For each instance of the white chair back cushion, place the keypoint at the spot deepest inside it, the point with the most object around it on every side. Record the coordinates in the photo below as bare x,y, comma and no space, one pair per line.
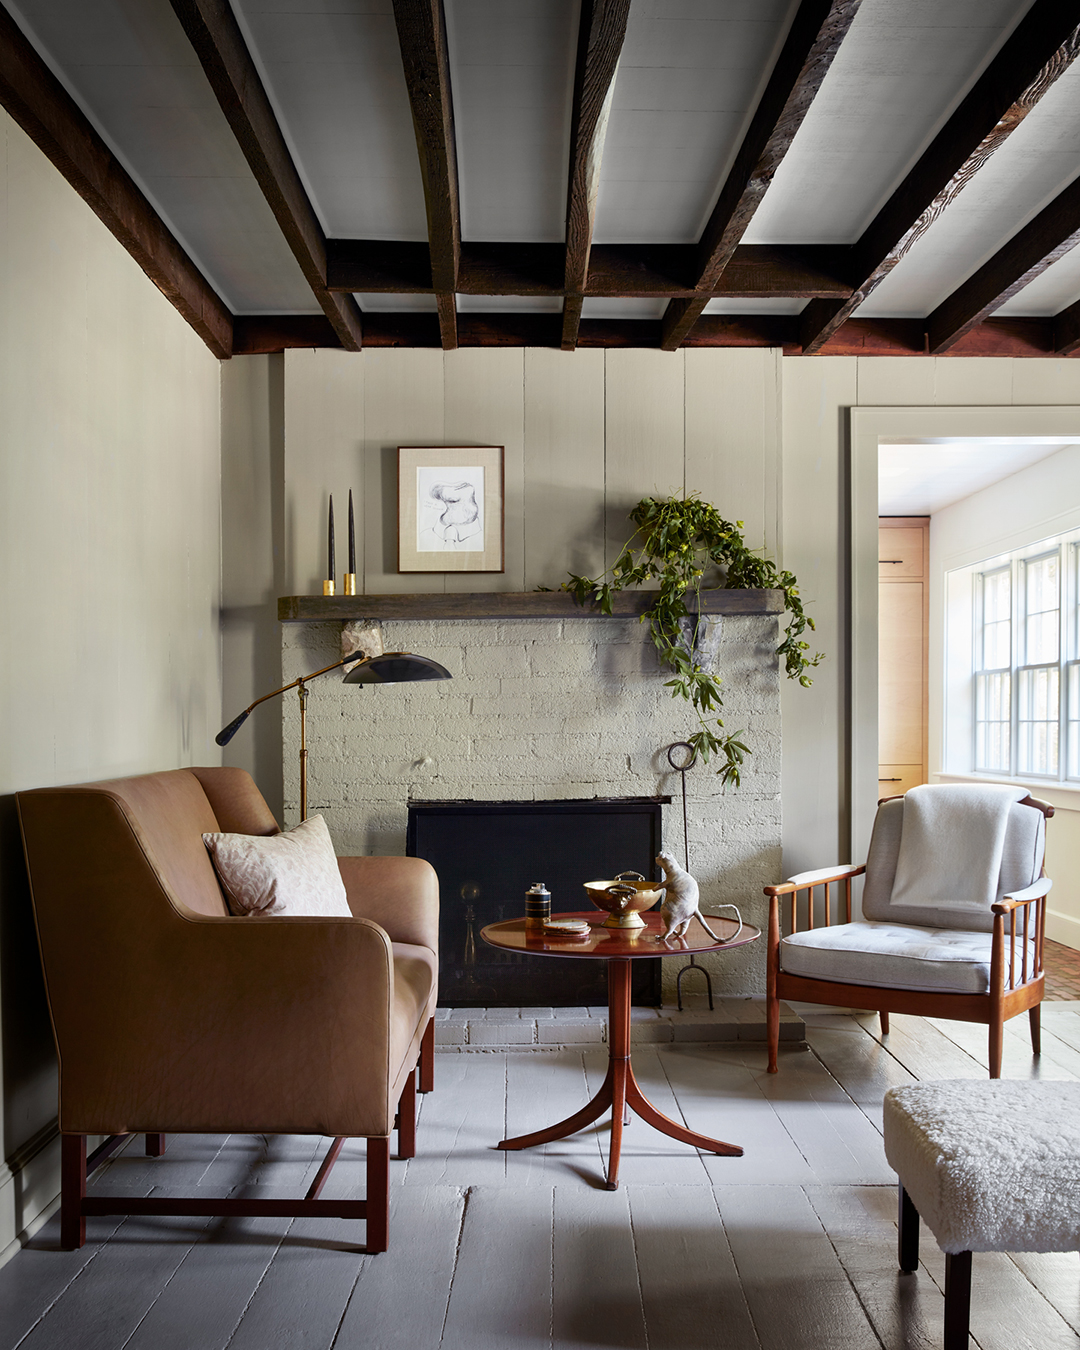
1021,864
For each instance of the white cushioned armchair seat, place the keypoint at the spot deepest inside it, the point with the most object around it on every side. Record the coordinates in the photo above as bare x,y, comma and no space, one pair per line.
895,956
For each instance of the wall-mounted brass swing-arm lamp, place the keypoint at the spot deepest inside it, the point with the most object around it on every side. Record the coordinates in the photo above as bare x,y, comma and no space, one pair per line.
387,668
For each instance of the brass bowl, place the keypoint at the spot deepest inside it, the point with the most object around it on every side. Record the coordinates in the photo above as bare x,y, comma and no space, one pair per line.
624,899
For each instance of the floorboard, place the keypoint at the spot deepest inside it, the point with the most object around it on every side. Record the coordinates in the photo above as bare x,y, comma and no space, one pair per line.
501,1294
797,1290
690,1287
596,1291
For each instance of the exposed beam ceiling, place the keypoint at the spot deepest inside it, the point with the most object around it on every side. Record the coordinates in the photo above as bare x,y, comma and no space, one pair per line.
217,40
815,37
222,147
1040,50
421,27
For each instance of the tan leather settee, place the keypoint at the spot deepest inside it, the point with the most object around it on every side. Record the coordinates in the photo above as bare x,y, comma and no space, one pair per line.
172,1016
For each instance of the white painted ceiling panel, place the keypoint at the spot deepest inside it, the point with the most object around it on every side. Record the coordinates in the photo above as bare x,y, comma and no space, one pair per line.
630,307
132,71
512,75
689,79
723,305
902,69
509,304
333,71
379,302
917,478
1039,159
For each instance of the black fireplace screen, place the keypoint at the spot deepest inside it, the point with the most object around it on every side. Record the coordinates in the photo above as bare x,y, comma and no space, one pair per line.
488,854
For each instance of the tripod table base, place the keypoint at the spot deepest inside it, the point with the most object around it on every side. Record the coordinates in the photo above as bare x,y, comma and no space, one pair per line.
619,1091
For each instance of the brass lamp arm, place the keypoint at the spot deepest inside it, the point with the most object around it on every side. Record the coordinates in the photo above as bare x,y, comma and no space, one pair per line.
227,733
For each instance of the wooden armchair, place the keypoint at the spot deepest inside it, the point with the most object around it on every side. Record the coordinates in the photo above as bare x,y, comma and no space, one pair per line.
934,962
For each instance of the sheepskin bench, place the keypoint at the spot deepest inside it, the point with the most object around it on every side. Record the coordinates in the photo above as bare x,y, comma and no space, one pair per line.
991,1167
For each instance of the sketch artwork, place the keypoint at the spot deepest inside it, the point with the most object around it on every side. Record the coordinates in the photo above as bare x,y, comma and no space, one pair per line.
450,509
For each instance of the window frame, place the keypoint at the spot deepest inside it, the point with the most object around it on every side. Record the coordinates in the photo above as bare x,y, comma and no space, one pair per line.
1020,672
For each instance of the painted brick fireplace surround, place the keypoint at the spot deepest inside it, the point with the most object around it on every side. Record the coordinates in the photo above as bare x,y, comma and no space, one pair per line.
546,709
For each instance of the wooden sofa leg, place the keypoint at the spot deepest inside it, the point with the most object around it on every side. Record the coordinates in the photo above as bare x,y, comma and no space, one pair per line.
883,1017
1035,1024
155,1145
908,1244
406,1119
957,1300
378,1194
427,1058
72,1191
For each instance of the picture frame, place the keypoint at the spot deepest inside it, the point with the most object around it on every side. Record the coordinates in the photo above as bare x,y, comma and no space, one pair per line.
450,508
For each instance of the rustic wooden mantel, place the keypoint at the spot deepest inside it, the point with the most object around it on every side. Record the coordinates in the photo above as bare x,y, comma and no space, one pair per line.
505,605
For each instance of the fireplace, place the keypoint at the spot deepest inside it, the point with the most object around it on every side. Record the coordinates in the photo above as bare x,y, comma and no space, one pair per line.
544,710
487,854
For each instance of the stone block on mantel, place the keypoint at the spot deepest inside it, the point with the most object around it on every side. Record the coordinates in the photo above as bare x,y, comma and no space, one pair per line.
509,605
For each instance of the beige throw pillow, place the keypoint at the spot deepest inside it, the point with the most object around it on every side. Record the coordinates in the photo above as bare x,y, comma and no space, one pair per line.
282,874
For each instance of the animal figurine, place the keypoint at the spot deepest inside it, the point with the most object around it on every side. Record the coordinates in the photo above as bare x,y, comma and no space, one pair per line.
680,902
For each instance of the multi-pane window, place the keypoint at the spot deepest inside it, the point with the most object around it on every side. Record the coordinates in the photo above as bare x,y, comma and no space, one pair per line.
993,677
1027,665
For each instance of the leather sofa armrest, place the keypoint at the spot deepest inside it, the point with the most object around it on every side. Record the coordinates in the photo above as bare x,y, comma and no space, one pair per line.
399,894
277,1024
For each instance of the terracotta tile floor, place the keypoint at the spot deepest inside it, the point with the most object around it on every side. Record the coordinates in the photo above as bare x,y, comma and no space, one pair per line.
1062,966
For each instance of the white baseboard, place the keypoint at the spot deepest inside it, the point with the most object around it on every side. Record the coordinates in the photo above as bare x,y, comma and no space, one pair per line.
1063,928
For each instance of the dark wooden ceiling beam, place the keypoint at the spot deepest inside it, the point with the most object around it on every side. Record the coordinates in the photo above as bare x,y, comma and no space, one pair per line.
756,271
421,28
215,35
1054,232
34,97
1043,45
1066,327
819,28
600,42
857,337
255,334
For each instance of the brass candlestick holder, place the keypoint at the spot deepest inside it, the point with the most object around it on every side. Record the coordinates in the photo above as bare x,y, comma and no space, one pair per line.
348,583
328,588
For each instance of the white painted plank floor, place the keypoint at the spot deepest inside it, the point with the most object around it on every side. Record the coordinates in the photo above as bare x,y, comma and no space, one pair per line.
791,1247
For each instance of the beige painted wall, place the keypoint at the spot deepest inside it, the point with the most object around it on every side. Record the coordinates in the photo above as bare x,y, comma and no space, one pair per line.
109,559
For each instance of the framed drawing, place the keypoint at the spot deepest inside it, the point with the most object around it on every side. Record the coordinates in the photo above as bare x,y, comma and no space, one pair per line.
450,508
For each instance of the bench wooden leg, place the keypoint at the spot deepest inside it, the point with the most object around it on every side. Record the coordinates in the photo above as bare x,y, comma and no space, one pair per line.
427,1058
378,1194
908,1243
72,1191
406,1119
155,1145
1035,1024
957,1300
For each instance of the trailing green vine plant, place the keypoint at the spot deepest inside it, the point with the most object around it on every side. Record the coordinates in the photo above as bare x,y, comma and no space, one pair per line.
678,541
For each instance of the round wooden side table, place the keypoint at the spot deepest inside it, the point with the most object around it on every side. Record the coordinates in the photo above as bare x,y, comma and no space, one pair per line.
618,947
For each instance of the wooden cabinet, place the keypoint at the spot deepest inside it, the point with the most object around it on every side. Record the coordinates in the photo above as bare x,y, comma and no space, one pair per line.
903,630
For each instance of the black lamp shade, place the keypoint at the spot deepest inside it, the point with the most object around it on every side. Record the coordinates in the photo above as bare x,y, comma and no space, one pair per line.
396,668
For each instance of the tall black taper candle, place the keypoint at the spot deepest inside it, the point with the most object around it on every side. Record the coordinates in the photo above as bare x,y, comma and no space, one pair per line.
330,568
352,537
